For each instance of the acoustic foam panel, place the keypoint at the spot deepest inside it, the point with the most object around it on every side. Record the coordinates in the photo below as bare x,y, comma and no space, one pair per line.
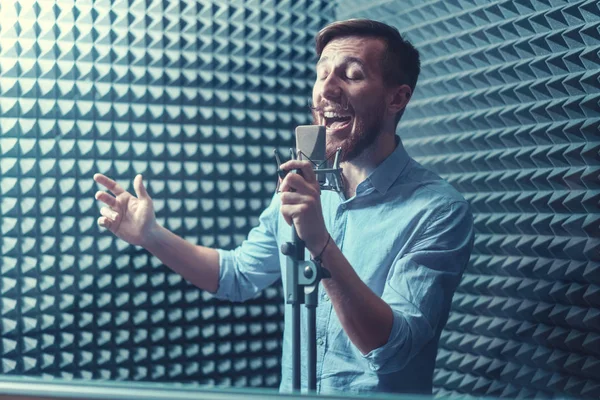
507,110
192,94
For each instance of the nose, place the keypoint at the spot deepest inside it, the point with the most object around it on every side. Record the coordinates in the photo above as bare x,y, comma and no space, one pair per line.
330,88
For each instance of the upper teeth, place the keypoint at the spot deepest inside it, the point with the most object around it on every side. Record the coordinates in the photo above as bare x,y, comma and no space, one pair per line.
331,114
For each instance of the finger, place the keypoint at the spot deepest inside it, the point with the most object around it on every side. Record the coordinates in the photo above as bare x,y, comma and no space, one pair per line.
140,189
104,223
108,213
109,184
296,183
287,214
306,167
288,219
106,199
290,211
288,198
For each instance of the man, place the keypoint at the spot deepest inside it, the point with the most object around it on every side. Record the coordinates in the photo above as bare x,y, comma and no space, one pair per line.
396,248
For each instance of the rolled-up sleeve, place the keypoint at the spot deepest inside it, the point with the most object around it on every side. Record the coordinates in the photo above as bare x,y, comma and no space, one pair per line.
420,286
254,265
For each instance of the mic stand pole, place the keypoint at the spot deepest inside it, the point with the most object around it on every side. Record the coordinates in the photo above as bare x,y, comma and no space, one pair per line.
304,276
295,253
311,300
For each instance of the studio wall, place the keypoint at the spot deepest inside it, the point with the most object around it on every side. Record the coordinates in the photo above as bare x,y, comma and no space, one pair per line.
194,95
507,110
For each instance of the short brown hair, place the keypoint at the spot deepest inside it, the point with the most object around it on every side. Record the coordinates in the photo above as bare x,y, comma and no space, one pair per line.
400,63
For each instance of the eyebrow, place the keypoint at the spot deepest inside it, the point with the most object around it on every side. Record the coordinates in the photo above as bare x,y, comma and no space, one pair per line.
346,60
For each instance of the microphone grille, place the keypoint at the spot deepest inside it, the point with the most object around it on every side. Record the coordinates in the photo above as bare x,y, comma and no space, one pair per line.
310,140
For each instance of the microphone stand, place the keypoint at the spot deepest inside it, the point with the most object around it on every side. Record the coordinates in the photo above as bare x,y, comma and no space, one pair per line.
303,275
306,275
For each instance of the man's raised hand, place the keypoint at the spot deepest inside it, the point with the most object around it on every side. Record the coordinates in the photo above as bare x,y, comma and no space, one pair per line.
128,217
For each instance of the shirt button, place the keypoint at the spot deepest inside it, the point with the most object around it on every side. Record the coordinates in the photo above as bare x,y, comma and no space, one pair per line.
320,341
344,206
325,297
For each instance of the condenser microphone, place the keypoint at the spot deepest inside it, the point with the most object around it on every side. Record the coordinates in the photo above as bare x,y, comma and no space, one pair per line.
310,145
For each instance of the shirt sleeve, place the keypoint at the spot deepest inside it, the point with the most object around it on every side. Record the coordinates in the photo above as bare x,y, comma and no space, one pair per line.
254,265
420,286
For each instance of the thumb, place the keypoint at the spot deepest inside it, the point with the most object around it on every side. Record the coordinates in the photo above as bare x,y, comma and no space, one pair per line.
138,186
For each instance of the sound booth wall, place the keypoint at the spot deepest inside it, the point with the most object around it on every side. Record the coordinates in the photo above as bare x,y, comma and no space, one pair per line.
507,110
194,95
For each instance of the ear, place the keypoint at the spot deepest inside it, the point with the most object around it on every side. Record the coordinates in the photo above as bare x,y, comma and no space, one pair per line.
398,98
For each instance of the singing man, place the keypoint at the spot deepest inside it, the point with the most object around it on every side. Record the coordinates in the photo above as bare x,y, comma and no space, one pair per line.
396,243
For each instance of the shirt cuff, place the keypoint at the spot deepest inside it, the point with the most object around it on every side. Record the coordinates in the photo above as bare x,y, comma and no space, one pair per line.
226,275
381,359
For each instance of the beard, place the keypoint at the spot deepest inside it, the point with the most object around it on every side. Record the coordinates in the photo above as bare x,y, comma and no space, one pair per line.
363,135
359,140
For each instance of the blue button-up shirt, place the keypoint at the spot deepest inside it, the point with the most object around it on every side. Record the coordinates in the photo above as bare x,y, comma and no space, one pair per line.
408,234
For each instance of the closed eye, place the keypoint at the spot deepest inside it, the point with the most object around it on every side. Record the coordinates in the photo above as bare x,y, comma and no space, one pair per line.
353,72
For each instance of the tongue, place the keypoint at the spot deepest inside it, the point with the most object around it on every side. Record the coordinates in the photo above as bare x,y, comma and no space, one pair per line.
338,123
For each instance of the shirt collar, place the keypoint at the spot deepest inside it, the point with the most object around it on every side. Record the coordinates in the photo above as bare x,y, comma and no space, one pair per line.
390,169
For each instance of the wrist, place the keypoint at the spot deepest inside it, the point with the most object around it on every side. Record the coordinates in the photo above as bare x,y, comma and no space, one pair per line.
319,251
153,236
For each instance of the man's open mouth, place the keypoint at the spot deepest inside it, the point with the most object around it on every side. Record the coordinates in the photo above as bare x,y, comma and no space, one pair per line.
335,121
